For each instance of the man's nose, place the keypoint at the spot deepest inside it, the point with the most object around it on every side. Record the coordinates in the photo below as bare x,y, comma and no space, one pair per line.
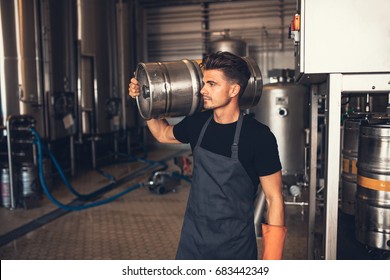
203,90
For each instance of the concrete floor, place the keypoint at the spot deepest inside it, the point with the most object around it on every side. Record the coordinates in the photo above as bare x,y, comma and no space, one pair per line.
140,225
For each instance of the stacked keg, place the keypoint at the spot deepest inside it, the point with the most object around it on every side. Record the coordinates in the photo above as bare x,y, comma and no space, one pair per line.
5,186
349,160
372,218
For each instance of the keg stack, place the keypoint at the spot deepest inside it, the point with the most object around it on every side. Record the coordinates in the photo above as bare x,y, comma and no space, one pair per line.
372,220
19,180
350,146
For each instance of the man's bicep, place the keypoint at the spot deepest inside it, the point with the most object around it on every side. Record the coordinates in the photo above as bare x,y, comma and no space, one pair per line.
272,184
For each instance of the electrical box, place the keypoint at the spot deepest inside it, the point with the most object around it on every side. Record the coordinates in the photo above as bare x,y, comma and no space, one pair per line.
333,36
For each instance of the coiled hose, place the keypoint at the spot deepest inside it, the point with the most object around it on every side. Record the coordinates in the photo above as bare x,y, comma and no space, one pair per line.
41,147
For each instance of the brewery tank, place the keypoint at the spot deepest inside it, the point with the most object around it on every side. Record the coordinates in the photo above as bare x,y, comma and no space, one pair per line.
284,108
228,44
373,186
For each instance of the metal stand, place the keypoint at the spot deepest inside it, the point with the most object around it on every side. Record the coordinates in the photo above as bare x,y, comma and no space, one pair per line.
313,170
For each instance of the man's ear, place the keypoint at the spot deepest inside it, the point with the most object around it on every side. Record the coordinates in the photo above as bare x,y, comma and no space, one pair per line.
235,90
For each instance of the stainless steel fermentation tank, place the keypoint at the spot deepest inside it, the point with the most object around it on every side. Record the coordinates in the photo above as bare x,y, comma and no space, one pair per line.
373,186
228,44
21,62
37,64
171,89
284,108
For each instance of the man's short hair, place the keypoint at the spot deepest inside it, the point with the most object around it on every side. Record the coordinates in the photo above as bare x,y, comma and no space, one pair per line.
234,67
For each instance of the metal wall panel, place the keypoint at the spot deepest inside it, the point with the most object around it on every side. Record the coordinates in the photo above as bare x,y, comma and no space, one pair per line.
185,31
174,33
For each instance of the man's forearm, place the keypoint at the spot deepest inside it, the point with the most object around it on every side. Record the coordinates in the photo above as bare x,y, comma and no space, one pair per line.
276,212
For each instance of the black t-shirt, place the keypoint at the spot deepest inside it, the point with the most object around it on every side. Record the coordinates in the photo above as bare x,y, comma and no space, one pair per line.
257,148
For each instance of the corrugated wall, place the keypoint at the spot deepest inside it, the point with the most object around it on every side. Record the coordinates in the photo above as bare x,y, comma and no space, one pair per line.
176,32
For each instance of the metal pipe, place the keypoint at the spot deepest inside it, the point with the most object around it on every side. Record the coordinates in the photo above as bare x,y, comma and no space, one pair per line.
10,163
116,145
312,170
38,55
332,165
121,52
296,203
93,150
72,157
79,94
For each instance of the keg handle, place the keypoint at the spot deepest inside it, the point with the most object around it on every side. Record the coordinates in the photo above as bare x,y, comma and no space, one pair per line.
145,91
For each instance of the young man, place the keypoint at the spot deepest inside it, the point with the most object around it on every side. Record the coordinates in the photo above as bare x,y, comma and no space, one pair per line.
232,154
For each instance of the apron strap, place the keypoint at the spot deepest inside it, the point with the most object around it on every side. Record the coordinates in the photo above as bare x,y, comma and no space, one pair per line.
200,138
237,137
234,147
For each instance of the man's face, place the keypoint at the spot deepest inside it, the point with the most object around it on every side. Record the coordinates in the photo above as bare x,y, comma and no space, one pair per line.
217,90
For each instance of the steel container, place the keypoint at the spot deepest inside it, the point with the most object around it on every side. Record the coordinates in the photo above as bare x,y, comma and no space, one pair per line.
349,169
172,89
5,187
235,46
169,88
21,88
284,108
27,180
373,186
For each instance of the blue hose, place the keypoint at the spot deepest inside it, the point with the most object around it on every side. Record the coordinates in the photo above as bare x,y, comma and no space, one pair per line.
40,147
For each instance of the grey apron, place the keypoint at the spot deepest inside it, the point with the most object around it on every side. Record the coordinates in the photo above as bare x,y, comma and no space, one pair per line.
219,219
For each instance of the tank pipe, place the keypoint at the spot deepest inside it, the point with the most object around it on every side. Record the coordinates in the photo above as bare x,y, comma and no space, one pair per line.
72,157
10,163
282,23
79,94
295,203
38,55
121,75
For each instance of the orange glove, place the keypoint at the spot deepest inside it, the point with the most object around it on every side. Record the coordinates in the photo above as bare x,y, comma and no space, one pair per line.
273,241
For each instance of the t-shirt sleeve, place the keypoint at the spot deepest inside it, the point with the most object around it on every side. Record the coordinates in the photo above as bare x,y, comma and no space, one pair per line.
267,155
180,131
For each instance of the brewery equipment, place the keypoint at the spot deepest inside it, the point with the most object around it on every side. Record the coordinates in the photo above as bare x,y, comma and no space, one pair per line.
284,108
